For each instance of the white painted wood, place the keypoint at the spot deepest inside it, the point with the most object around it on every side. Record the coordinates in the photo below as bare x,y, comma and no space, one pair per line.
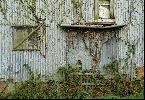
58,52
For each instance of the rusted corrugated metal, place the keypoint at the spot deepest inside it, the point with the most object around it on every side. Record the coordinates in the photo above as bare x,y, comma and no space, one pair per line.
59,52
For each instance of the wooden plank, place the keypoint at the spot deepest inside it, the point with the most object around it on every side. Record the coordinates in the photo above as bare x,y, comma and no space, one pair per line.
3,86
23,26
85,73
140,73
104,2
26,49
88,28
19,36
43,40
97,23
96,10
88,84
112,9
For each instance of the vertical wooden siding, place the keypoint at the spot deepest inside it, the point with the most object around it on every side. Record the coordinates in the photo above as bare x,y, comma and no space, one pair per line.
57,53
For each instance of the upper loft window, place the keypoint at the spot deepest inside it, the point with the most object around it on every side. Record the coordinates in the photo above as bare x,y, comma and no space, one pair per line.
104,6
104,10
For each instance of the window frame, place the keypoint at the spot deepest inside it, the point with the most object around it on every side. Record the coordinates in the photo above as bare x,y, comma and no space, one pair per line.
96,12
24,27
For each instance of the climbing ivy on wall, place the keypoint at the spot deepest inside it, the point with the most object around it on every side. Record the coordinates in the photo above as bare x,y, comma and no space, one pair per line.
3,7
130,59
92,42
30,6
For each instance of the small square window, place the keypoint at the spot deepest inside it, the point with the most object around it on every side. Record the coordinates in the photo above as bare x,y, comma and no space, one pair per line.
104,9
22,40
104,12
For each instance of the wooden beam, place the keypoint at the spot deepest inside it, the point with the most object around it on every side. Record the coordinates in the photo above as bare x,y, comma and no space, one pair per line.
88,28
27,37
97,23
88,74
23,26
25,50
88,84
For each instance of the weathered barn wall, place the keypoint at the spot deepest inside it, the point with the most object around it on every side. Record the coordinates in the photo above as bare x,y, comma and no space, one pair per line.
131,13
58,52
127,12
12,61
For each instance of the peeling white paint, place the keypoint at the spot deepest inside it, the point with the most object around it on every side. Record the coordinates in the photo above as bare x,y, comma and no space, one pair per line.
56,45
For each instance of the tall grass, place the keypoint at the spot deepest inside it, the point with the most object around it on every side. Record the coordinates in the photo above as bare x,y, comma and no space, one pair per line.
69,86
